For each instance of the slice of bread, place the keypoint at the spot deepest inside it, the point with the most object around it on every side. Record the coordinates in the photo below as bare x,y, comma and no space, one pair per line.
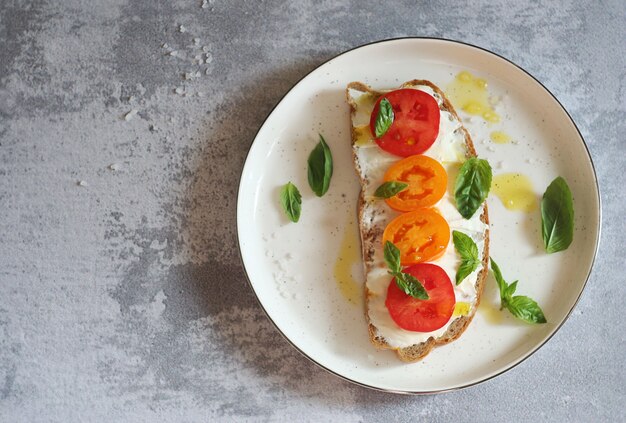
374,214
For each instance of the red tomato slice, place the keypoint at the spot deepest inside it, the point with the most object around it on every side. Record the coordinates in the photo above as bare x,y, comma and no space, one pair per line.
416,122
422,315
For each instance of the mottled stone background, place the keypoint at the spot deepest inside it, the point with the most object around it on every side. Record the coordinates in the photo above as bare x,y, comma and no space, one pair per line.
121,293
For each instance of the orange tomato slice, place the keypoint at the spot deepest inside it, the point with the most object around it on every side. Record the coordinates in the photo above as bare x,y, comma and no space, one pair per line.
427,180
420,235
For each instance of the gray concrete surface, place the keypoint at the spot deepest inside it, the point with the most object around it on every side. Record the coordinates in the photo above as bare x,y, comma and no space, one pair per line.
123,299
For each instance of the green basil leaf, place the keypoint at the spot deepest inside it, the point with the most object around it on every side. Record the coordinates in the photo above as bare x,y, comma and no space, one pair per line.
557,216
520,306
468,251
465,245
526,309
389,189
472,186
407,283
291,200
510,290
384,119
502,285
320,168
392,257
411,286
464,270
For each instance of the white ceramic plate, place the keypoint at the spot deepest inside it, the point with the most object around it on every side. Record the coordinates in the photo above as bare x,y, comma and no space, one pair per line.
292,267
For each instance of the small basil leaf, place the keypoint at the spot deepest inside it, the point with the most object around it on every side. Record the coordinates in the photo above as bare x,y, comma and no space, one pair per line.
520,306
400,281
407,283
389,189
291,200
392,257
510,290
526,309
384,119
465,269
472,186
465,245
468,251
502,285
320,168
557,216
411,286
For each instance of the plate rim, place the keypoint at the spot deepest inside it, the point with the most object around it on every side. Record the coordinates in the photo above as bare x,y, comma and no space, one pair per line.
514,364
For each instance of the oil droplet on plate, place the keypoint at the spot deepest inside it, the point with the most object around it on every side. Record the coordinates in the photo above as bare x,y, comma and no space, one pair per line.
490,312
515,191
470,94
500,137
349,256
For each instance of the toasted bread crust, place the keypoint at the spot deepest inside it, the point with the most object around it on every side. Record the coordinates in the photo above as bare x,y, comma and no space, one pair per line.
457,327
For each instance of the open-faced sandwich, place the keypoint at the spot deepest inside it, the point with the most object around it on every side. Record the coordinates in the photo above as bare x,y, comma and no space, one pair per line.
425,249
